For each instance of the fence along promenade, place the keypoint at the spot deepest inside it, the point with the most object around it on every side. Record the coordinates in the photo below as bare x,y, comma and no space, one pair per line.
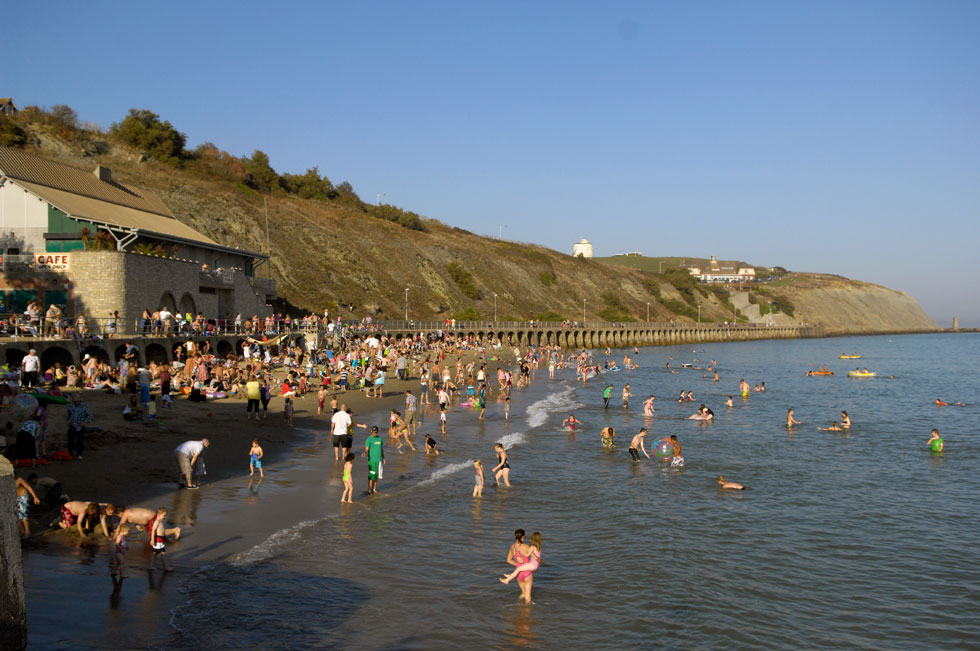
158,344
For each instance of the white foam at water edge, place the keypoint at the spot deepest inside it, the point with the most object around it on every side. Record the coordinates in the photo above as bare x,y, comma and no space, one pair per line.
451,469
510,440
270,545
537,413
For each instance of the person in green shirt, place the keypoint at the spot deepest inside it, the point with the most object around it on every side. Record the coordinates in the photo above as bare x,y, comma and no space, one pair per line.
375,453
606,395
935,442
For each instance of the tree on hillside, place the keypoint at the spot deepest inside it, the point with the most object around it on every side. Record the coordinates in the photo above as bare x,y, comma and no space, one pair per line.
309,185
259,173
144,130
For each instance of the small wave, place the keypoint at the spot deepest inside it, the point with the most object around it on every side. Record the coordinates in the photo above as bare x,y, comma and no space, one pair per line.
451,469
268,548
537,413
510,440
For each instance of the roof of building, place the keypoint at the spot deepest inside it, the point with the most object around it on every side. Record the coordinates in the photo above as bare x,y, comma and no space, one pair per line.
84,196
6,100
717,266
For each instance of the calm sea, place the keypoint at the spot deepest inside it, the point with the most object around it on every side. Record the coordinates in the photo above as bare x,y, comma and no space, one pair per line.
858,539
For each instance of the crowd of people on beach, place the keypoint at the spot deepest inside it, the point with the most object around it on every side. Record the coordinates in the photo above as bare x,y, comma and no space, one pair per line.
452,372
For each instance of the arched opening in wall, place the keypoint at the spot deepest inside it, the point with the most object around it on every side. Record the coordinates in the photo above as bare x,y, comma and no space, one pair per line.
56,355
14,356
238,347
157,353
187,305
301,342
224,349
168,301
99,353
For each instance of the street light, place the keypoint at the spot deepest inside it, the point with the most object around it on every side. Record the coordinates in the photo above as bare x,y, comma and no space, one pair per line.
406,304
495,308
699,314
378,200
661,268
648,312
583,310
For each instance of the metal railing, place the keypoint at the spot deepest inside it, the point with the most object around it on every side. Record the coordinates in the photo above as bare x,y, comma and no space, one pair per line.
71,328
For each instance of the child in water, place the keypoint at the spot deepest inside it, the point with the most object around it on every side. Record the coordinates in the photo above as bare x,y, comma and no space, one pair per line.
348,479
534,559
119,548
729,484
255,459
478,478
729,402
507,408
833,428
430,445
287,411
648,406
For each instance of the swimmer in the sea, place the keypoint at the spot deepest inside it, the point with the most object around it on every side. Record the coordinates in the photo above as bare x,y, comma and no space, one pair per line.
627,394
935,443
676,458
845,420
636,445
571,422
790,421
730,484
833,428
648,406
940,403
608,435
729,402
743,388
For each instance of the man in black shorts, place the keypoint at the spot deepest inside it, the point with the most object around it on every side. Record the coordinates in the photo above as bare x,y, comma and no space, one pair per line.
340,424
636,445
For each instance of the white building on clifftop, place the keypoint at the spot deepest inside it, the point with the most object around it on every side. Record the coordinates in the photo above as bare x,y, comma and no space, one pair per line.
583,248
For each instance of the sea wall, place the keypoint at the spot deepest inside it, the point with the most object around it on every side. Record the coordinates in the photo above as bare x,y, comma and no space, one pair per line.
13,609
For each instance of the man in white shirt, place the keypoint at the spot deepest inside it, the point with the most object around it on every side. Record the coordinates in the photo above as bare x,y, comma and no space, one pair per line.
187,455
165,317
30,365
341,423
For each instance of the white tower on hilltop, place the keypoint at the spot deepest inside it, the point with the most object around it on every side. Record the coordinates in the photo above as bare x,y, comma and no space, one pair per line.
582,248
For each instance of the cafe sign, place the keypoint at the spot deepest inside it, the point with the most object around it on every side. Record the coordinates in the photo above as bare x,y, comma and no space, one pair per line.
52,261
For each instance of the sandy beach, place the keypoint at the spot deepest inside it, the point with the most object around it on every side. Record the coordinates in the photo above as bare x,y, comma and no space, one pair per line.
131,463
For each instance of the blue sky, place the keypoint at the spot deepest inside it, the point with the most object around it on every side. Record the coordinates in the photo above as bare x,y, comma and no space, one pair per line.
841,137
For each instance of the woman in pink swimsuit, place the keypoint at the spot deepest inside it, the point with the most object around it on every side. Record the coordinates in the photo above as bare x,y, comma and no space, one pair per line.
527,558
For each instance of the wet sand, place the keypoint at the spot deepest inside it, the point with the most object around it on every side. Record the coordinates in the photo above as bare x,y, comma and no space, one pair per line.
71,599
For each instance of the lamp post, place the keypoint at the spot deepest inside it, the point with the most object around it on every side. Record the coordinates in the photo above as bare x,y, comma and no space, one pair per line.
660,270
648,312
583,311
699,314
495,308
406,305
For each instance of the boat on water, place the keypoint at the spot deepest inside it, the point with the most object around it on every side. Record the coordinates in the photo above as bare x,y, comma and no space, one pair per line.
850,357
861,374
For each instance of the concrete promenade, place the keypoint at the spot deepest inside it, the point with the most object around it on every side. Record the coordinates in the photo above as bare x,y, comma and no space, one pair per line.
160,348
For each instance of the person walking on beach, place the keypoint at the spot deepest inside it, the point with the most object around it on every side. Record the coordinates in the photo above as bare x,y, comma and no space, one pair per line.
79,415
340,422
606,395
636,445
411,408
502,469
375,453
348,479
188,454
158,539
255,459
253,394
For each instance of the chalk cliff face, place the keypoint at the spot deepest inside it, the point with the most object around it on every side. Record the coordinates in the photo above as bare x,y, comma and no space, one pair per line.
843,306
